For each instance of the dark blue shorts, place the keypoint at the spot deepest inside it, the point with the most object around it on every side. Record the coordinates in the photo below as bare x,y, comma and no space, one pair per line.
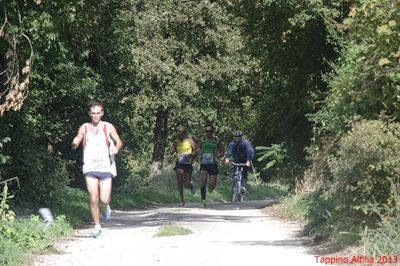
99,175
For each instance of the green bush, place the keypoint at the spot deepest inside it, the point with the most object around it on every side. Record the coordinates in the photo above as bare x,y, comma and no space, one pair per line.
365,168
10,253
33,234
318,175
313,208
364,81
43,176
74,205
133,172
18,237
166,182
354,182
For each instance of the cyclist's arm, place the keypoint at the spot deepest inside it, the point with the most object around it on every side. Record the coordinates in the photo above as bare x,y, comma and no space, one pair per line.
249,153
229,152
78,138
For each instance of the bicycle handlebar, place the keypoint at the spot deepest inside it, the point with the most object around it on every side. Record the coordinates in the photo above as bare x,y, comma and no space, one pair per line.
238,164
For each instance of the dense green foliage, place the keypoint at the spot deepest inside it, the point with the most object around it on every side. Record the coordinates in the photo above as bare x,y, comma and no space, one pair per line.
366,166
351,184
291,46
365,83
311,74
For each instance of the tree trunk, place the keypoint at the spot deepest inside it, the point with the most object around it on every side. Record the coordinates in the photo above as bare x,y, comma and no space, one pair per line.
160,142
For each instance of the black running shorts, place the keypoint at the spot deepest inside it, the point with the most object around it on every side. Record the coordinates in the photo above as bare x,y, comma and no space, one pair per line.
212,169
187,168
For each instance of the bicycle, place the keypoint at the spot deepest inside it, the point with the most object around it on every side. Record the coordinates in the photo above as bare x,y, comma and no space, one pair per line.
237,194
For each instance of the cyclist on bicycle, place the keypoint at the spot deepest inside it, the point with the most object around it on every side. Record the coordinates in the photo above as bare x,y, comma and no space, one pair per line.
240,151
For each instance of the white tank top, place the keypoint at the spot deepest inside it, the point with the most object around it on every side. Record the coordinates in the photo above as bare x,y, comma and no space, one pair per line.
96,152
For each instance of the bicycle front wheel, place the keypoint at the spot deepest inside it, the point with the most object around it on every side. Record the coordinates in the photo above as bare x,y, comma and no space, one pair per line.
235,191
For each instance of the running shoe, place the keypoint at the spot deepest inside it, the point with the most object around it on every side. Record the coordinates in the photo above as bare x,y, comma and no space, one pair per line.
96,232
181,204
202,203
46,215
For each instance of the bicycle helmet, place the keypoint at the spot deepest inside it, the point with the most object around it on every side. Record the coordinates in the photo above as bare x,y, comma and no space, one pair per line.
238,133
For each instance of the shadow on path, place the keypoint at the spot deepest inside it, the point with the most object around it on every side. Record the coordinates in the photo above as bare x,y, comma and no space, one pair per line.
285,243
167,214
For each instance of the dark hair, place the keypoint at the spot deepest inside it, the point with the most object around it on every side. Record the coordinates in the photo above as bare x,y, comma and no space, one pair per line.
95,103
183,129
209,125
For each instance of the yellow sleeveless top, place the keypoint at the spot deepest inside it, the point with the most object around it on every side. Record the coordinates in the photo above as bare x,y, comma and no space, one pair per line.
183,151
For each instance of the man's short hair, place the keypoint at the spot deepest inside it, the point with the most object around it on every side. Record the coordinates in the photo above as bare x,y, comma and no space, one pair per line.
95,103
183,129
209,125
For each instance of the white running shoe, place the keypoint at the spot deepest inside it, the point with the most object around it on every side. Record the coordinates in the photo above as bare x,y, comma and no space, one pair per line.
96,232
46,215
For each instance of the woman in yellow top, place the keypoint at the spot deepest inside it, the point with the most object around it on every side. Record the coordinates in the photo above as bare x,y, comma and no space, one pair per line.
184,147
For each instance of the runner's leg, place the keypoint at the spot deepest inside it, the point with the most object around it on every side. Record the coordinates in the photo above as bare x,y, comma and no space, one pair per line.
213,182
203,183
179,181
213,178
105,190
187,181
92,185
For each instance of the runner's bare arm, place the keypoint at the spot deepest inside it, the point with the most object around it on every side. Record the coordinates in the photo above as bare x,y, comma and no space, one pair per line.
173,148
194,146
199,146
78,138
117,140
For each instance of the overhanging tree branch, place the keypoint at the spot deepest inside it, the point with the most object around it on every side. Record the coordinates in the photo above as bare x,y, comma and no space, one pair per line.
15,88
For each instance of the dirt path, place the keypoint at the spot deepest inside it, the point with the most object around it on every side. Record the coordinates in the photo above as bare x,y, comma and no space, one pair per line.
223,234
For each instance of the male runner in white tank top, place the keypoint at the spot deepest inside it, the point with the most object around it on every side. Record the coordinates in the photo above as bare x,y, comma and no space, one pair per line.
100,143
